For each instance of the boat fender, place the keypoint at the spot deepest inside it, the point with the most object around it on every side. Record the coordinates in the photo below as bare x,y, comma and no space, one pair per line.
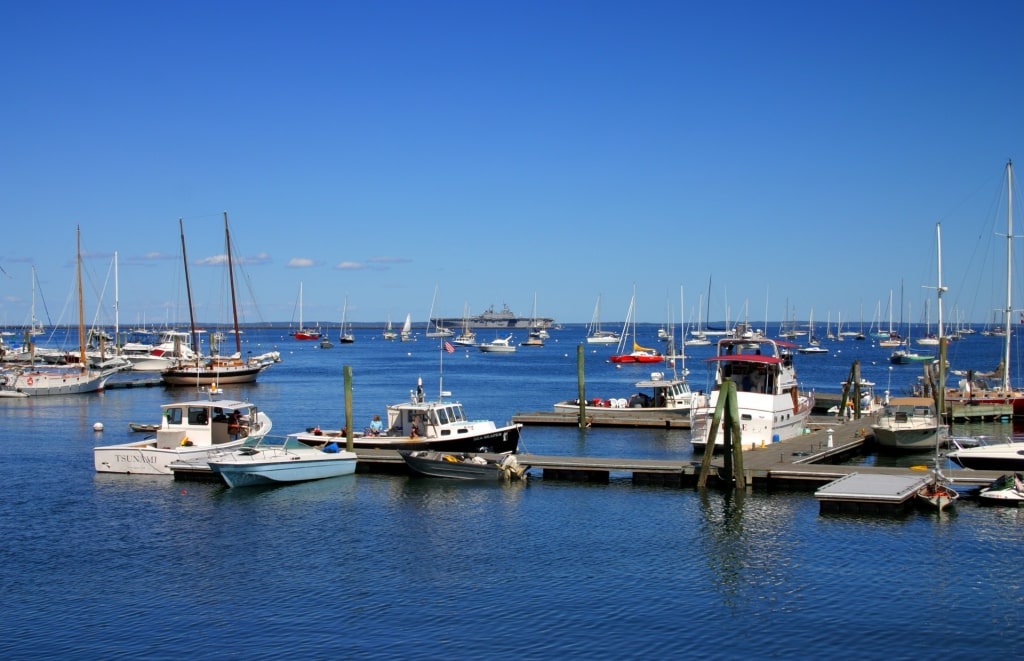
449,458
185,442
29,381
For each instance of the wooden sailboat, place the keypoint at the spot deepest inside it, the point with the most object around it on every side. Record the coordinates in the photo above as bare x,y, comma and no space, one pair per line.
216,369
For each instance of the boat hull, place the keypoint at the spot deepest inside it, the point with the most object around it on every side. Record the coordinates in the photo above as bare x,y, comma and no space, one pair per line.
185,376
475,467
500,440
285,469
145,458
1004,456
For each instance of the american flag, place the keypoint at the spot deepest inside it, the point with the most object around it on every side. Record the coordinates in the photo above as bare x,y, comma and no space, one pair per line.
448,347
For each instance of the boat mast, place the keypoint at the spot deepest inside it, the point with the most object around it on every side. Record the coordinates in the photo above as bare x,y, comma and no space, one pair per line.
81,312
188,291
231,280
1009,264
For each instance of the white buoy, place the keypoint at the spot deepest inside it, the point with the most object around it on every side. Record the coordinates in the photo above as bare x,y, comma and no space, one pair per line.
830,431
97,426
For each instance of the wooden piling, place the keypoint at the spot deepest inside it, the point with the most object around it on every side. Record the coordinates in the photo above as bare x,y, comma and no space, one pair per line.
347,370
580,387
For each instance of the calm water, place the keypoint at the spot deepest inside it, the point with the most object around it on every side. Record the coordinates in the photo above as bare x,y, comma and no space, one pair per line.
112,566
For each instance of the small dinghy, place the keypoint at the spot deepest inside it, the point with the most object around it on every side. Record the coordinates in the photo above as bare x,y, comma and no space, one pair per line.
465,465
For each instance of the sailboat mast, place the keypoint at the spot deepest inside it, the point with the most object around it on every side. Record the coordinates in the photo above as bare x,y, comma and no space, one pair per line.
81,309
117,306
231,280
1009,265
188,291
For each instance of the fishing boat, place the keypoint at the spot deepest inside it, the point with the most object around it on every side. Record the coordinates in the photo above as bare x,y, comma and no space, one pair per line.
304,332
189,430
465,465
276,461
770,404
422,424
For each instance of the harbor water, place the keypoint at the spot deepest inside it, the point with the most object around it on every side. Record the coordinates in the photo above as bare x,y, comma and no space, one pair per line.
375,566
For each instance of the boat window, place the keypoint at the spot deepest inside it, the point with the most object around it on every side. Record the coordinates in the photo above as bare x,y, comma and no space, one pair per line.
442,415
197,415
173,416
901,416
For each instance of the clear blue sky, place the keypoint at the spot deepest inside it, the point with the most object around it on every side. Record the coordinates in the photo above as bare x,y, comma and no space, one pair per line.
788,151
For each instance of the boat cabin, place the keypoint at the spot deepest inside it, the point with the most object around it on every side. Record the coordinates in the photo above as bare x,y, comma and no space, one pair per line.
204,423
430,420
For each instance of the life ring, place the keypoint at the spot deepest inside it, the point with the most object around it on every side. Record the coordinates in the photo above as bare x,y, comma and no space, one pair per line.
29,381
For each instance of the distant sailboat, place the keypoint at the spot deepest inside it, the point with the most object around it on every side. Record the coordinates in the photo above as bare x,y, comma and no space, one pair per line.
406,334
346,336
389,332
303,333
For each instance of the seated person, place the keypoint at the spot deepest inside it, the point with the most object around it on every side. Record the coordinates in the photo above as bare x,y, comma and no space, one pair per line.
376,427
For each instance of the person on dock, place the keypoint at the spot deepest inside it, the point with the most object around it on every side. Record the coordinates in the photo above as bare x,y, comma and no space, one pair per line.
376,426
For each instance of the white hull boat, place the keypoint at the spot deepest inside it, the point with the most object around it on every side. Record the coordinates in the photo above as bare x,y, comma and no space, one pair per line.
189,431
271,461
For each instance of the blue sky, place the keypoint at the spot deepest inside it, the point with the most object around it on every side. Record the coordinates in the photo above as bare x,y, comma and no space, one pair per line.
794,153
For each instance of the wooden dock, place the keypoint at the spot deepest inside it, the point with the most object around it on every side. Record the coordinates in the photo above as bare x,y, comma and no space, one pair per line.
806,463
598,417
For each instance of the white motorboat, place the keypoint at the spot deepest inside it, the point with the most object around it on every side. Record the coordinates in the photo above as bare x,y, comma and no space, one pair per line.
771,407
498,345
275,461
985,455
910,424
667,396
189,430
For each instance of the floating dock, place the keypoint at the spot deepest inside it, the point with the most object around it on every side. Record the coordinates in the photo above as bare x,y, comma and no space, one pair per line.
870,493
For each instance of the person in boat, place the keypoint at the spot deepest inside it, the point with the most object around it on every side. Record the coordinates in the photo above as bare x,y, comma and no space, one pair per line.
235,424
376,426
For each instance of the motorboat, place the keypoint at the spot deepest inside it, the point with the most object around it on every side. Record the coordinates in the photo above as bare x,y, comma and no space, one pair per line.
770,404
658,396
986,455
498,345
465,465
189,430
421,424
1005,490
269,460
910,424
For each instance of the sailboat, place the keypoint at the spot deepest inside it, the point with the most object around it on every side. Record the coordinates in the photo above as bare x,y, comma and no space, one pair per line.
534,339
346,336
813,343
303,333
434,327
638,354
406,334
35,325
69,380
595,335
697,336
389,332
216,369
467,338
